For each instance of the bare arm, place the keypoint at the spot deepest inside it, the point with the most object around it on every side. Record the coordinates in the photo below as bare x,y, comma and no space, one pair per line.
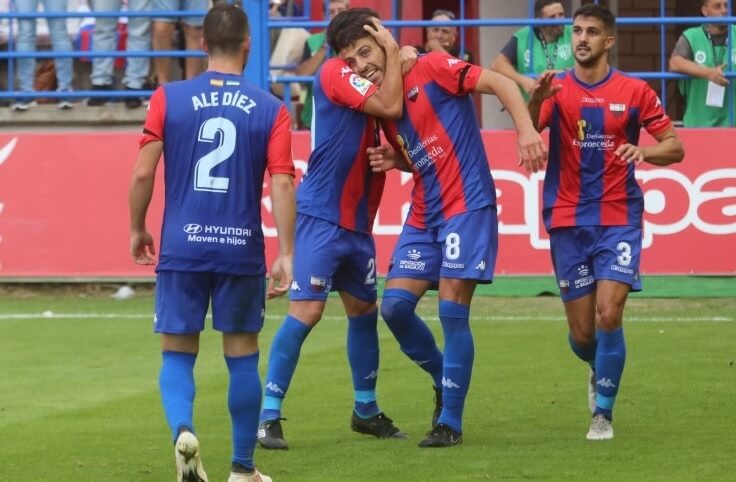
543,89
387,101
685,66
668,150
311,65
284,215
532,151
502,65
139,197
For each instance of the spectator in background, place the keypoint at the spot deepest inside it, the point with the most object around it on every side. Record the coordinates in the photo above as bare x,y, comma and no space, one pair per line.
60,41
550,48
163,37
702,53
315,53
444,39
287,47
103,39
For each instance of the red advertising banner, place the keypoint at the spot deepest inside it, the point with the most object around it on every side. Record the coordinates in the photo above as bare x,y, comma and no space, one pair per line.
64,212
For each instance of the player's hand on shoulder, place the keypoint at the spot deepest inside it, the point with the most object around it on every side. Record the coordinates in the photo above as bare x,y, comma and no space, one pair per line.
630,153
532,149
142,248
408,57
382,158
281,276
544,87
383,36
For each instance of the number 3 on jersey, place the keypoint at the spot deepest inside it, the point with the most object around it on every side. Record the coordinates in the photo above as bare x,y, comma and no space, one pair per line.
203,181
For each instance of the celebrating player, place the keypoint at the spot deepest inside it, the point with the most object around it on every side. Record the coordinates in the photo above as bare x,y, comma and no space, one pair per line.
336,204
218,135
450,237
592,202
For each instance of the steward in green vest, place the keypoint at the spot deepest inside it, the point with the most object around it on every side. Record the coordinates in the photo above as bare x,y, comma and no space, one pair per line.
531,51
702,109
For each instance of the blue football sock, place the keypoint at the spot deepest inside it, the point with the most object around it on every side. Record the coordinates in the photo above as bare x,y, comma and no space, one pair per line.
609,367
176,383
585,353
363,358
414,336
244,401
458,362
285,350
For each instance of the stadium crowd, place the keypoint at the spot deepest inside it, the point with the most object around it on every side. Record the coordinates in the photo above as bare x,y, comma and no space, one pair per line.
702,52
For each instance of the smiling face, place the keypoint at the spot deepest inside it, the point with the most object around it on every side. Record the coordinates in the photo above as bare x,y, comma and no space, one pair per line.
590,40
366,58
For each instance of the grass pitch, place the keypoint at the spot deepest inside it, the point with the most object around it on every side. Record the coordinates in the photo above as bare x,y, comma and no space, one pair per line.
79,398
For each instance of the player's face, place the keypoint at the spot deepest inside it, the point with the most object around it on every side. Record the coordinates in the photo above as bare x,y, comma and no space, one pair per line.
715,8
590,40
366,58
446,36
550,12
337,7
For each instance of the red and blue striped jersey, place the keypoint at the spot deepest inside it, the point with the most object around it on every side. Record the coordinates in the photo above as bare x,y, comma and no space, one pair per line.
585,183
339,185
439,135
220,135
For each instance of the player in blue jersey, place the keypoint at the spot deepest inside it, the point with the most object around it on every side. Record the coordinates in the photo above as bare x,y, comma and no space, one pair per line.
336,205
449,240
218,135
593,205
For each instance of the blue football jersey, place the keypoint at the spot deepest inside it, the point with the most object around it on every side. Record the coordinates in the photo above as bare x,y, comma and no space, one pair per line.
220,135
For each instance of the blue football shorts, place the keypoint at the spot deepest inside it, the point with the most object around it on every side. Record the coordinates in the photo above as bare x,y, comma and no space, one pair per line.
328,257
463,247
182,299
583,255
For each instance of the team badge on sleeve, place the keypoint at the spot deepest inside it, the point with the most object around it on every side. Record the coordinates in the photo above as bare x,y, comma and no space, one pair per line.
360,84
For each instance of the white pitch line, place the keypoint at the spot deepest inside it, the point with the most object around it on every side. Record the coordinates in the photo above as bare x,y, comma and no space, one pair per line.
107,316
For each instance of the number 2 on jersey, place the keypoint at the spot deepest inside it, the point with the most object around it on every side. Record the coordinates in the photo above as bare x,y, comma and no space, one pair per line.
203,181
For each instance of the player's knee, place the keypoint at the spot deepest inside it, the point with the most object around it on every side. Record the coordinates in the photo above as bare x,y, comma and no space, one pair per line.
397,307
608,317
307,312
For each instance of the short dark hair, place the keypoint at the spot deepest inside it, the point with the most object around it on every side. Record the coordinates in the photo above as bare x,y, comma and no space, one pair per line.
347,27
225,28
539,5
597,11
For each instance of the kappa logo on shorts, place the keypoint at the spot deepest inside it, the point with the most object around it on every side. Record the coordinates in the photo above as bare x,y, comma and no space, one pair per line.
481,266
295,286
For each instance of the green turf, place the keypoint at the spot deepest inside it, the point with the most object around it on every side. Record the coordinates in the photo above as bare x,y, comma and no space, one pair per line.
79,399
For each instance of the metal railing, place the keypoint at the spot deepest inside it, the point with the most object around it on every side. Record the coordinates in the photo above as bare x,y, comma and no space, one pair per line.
258,69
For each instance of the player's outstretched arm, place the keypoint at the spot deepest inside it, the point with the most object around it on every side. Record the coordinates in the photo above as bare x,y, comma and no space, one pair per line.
139,197
502,65
284,215
532,150
668,150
